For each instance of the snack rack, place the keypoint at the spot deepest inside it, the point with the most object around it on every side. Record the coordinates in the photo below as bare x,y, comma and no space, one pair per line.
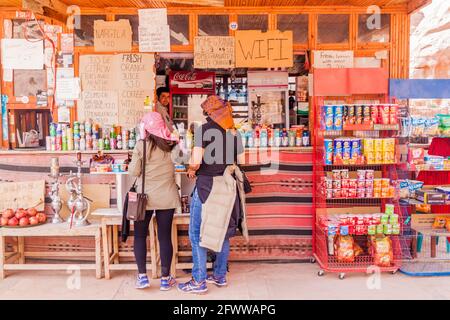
323,240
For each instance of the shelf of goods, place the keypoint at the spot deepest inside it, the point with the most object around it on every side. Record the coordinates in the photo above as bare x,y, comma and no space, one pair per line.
358,224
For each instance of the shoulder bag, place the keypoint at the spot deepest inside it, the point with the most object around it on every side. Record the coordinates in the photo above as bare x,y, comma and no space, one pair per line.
137,202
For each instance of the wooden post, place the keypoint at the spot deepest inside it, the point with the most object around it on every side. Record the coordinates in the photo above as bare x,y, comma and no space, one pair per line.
21,249
105,249
173,266
98,254
116,243
153,245
433,246
2,257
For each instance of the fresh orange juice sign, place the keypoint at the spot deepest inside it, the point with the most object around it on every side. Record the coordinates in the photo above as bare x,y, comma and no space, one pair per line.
271,49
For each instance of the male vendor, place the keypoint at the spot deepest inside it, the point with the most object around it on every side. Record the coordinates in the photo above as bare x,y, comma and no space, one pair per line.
162,106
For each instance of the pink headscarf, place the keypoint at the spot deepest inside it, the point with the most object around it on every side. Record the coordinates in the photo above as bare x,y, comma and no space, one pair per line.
153,123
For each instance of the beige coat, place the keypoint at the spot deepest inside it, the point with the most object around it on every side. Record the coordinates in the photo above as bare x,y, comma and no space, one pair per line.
216,211
160,185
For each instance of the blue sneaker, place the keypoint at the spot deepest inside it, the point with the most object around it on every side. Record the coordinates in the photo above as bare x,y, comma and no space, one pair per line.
219,281
193,287
167,283
142,282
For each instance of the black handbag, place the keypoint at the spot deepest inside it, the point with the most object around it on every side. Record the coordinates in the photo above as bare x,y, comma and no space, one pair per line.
137,202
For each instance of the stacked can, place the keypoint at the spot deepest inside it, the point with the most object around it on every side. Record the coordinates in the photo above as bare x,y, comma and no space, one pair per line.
59,137
338,117
64,138
328,154
76,135
52,136
69,138
328,116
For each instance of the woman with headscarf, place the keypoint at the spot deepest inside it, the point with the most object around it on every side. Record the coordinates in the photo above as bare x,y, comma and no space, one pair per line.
162,192
217,205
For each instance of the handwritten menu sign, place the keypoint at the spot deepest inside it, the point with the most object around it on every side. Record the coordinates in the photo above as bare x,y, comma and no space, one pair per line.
333,59
26,194
96,72
136,79
214,52
148,17
257,49
112,35
100,106
129,76
154,38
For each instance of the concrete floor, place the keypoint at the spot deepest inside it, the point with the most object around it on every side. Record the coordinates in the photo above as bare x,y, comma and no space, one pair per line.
246,281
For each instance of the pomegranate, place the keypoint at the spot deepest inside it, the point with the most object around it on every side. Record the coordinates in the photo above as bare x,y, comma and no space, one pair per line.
4,221
34,221
24,221
32,212
20,214
13,221
8,213
41,217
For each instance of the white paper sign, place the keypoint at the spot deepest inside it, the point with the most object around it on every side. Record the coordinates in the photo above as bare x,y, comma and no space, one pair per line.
67,89
63,114
22,54
154,39
7,75
149,17
333,59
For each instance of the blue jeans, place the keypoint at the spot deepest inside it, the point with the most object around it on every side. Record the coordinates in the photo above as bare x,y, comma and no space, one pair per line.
199,254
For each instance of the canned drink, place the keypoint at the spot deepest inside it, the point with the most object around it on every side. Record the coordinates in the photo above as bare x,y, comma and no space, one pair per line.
338,117
380,229
64,143
389,209
387,229
371,230
361,193
53,143
361,174
396,229
48,143
58,143
384,219
52,129
337,184
344,174
336,174
328,145
329,193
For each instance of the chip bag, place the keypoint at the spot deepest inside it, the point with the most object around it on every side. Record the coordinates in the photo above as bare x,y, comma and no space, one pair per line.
439,222
382,251
344,248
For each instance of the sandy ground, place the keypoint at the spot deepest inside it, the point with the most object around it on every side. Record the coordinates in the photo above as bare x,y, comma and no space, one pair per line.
247,281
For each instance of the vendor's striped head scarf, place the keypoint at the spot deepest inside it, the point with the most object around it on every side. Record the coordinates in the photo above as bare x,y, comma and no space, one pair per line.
219,111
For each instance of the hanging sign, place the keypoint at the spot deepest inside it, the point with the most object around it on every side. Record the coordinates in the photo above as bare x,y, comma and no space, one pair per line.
187,82
214,52
22,54
112,35
257,49
333,59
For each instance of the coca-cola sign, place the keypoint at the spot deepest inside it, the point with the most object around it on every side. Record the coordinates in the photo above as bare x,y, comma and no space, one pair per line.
192,82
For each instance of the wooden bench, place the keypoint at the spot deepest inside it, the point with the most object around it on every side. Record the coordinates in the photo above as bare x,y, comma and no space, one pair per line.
17,260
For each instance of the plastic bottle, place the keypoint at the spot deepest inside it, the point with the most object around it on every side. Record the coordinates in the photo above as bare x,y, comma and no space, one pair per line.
119,142
82,144
305,138
277,135
250,139
263,138
270,141
298,139
256,140
284,138
106,144
292,137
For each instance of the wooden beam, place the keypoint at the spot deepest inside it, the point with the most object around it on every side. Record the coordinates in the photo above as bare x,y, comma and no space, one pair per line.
414,5
212,3
55,5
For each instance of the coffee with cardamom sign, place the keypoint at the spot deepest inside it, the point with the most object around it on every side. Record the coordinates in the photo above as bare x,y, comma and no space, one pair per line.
333,59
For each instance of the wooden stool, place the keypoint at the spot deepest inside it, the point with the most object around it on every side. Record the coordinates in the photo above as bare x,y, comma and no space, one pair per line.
111,254
48,230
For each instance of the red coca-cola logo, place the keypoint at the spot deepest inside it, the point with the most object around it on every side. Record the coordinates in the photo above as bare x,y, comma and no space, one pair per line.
181,76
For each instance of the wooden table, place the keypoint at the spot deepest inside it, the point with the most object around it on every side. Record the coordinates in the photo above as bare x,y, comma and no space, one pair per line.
48,230
433,234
